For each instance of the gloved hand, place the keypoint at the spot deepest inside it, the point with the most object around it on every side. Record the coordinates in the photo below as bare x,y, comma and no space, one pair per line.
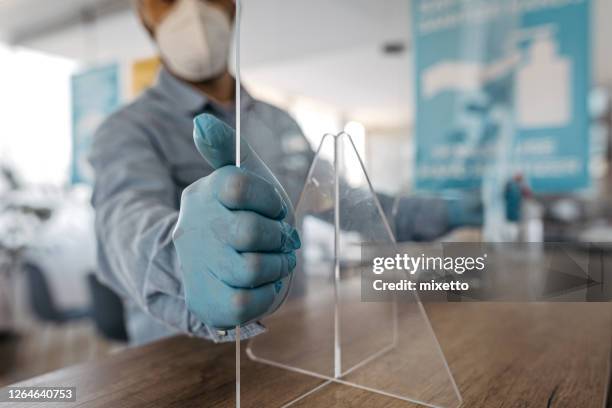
235,249
468,210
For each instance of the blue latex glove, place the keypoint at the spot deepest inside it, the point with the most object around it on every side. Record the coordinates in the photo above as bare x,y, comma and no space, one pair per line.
468,210
235,250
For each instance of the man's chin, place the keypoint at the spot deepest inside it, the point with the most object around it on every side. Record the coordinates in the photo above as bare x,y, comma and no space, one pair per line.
203,82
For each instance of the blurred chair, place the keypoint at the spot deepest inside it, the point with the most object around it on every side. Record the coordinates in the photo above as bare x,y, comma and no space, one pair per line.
107,311
42,301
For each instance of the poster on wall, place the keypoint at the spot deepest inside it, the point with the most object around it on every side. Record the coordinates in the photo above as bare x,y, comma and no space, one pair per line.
95,95
144,73
501,82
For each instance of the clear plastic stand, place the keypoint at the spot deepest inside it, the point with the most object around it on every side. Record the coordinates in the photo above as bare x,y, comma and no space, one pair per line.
324,330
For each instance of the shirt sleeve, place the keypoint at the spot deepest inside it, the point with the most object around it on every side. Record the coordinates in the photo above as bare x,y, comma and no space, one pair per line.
416,218
410,218
136,203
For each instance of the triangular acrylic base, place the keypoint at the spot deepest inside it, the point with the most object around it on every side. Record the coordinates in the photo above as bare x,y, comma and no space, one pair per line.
324,329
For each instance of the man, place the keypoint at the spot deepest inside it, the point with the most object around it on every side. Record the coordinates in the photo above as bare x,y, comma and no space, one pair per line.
234,250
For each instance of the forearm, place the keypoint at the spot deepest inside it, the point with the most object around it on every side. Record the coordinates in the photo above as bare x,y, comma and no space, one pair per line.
416,218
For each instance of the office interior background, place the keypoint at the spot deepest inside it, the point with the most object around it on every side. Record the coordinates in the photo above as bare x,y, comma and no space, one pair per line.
334,65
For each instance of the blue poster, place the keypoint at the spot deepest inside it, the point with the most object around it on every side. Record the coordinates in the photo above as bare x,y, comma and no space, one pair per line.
95,95
502,83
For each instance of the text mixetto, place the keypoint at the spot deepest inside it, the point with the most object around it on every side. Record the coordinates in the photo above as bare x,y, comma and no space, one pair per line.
404,284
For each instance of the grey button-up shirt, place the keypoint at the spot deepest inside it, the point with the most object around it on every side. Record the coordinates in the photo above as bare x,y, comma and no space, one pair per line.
143,157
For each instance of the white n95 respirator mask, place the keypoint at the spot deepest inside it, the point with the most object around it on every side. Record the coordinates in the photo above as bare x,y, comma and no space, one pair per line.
194,40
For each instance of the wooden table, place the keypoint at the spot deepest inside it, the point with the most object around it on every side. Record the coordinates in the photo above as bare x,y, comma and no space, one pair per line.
502,355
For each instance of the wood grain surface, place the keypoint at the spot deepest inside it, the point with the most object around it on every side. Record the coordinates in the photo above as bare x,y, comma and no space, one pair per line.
502,355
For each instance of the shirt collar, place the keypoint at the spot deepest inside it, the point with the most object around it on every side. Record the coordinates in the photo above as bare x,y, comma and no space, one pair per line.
187,98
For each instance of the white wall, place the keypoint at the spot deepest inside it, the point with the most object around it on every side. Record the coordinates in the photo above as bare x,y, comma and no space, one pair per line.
390,158
118,37
35,105
602,44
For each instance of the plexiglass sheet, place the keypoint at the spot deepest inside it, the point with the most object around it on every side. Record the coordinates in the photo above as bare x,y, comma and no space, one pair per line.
324,329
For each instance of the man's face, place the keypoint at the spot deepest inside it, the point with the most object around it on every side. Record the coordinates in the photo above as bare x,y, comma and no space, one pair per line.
153,12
